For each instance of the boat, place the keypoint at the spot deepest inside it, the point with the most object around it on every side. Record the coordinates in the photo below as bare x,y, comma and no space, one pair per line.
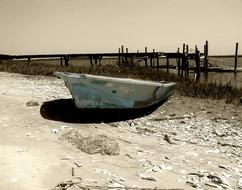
91,91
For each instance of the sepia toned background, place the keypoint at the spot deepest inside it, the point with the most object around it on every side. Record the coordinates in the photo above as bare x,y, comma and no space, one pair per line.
79,26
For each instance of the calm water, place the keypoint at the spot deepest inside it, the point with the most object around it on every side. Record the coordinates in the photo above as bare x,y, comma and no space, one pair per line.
233,79
225,77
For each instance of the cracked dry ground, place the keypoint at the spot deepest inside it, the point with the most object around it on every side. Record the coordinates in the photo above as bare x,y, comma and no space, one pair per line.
186,143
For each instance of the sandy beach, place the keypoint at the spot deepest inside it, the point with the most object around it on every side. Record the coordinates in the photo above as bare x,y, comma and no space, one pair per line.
186,143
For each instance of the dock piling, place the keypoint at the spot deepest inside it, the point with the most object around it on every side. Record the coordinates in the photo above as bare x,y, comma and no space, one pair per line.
197,77
61,61
146,57
157,61
187,61
126,56
66,59
178,62
206,59
167,64
183,60
29,60
119,51
236,57
122,52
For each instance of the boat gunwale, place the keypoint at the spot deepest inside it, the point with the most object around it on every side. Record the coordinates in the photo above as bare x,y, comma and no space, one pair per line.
114,79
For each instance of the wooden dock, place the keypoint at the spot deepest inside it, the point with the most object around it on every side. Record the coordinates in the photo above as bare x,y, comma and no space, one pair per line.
149,58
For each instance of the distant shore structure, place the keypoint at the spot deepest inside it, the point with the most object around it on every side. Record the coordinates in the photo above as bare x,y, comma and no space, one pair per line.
150,59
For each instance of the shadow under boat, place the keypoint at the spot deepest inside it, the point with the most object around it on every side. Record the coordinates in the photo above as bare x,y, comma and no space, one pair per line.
65,110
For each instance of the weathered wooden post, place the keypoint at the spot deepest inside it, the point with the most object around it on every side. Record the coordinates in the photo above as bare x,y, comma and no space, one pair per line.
187,61
119,51
137,57
206,59
236,57
66,59
122,51
95,59
100,59
29,60
167,64
132,59
178,62
151,60
61,61
157,60
153,57
183,59
197,76
145,56
126,56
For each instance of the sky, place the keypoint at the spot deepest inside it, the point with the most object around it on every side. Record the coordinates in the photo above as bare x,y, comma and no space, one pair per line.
88,26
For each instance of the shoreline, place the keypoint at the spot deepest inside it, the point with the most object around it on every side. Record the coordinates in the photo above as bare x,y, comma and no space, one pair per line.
181,144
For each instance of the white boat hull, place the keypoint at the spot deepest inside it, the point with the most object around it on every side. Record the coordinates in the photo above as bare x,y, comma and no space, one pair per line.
90,91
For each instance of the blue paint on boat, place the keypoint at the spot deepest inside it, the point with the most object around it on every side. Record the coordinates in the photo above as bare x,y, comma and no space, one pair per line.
91,91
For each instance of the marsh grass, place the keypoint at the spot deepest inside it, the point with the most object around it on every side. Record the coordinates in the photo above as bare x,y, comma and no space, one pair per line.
214,89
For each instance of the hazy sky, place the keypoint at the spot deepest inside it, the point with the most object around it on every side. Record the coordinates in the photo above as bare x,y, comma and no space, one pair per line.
77,26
